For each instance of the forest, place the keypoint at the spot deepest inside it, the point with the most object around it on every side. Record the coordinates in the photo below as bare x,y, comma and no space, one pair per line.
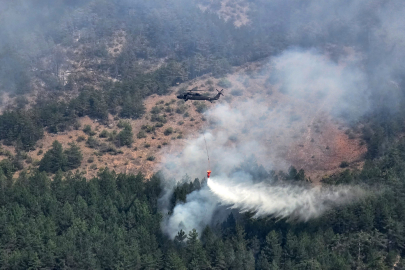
113,222
52,217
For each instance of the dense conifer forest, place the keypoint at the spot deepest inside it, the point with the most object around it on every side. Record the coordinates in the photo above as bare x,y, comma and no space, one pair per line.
113,221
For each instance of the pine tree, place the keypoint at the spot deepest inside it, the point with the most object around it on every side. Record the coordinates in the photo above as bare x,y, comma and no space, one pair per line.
196,256
290,249
3,186
173,262
124,137
54,159
272,250
74,157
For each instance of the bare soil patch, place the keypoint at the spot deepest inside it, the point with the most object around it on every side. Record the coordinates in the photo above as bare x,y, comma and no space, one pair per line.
301,134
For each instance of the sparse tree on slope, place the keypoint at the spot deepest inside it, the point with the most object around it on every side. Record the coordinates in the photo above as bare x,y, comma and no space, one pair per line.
54,159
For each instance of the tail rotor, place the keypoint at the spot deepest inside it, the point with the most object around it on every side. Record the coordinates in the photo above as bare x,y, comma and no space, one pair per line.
220,92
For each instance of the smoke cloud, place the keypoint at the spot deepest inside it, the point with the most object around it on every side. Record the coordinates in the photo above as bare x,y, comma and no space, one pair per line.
348,60
196,213
252,134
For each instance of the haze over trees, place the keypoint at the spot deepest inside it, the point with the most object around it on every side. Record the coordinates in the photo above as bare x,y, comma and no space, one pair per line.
61,53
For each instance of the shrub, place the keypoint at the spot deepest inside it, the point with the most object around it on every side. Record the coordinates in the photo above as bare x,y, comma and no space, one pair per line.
92,142
200,106
141,134
344,164
88,131
124,137
181,109
80,138
112,135
36,162
158,118
151,158
28,160
156,110
90,160
107,148
148,128
76,125
147,145
123,124
104,134
180,123
168,131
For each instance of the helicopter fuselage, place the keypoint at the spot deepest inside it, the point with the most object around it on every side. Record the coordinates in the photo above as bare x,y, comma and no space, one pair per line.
197,96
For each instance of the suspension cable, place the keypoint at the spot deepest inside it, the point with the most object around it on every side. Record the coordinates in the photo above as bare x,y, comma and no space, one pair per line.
208,156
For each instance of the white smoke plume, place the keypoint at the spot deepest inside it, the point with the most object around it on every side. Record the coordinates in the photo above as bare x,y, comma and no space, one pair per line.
303,84
196,213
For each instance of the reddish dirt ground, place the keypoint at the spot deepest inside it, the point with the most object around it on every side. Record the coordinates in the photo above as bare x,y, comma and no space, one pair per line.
316,143
132,159
321,151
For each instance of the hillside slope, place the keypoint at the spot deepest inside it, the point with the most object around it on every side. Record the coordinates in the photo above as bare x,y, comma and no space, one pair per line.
300,133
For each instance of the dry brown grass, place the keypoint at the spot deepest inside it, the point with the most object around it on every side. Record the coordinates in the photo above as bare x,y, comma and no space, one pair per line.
131,160
234,10
117,42
316,142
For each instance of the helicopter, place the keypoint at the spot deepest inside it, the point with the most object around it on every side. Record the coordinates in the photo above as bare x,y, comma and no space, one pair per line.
197,96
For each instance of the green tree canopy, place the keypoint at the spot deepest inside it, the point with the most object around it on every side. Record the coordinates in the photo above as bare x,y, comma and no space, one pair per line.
54,159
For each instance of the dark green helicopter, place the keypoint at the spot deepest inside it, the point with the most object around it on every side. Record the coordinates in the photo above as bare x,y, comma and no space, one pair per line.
189,95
